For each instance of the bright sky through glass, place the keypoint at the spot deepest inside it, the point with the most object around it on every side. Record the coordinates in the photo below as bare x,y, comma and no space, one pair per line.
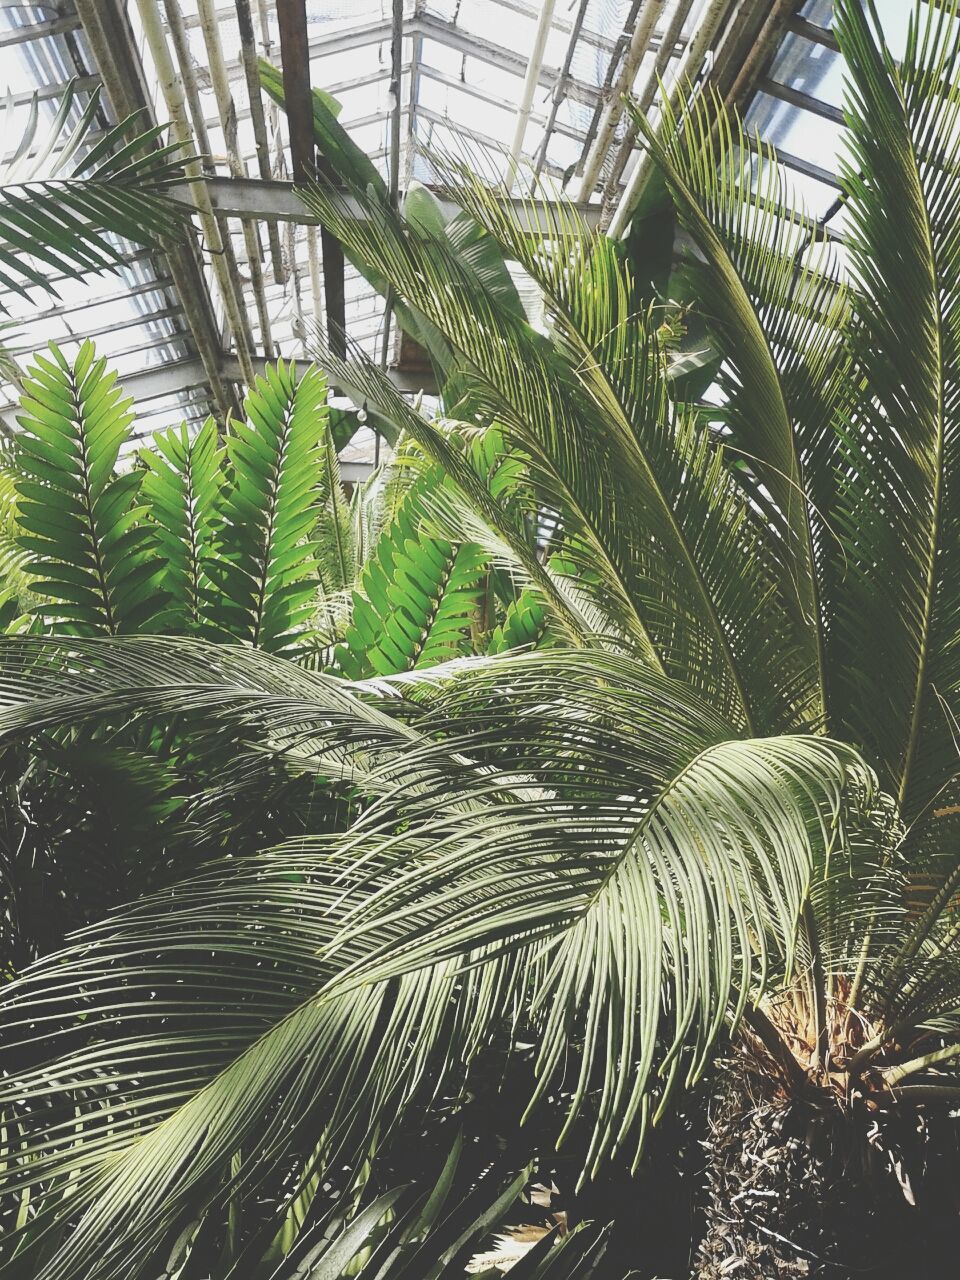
463,69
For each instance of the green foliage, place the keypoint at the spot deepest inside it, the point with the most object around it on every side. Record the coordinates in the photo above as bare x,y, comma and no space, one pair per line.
268,568
477,252
251,540
336,535
92,557
182,492
14,592
57,205
717,802
467,840
524,624
418,595
338,148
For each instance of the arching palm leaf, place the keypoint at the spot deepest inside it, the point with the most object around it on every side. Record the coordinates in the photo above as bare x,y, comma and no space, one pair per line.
648,510
897,506
501,773
62,200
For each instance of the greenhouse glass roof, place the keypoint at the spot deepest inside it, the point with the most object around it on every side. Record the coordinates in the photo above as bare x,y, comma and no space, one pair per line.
539,80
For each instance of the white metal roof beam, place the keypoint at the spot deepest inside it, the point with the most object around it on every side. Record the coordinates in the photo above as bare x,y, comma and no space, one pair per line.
277,201
39,30
188,375
530,83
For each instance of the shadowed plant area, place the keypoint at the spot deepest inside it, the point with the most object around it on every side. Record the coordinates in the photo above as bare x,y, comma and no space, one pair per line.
544,857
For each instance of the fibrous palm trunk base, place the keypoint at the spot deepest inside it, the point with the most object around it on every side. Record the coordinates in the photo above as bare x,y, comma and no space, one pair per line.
802,1189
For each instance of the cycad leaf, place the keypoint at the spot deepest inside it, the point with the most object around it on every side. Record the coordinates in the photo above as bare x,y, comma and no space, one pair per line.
267,571
335,536
660,545
663,896
630,910
897,617
774,316
417,596
181,492
93,559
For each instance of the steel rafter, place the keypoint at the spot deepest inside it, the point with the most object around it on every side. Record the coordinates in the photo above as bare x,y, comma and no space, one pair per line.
111,41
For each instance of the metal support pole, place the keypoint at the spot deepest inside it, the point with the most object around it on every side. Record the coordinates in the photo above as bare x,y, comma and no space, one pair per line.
181,47
530,82
612,112
618,50
761,50
559,92
111,42
248,53
226,109
396,70
690,63
646,94
221,250
295,57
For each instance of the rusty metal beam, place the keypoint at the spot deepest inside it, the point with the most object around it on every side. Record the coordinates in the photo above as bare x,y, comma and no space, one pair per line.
295,57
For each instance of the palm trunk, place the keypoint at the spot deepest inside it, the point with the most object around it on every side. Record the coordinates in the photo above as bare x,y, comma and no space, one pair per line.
816,1189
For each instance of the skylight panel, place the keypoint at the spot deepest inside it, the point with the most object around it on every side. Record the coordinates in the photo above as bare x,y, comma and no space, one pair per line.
810,68
801,133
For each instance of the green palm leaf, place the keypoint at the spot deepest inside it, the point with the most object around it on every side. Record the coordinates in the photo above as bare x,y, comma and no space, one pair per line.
59,209
495,524
337,551
663,542
664,897
898,616
763,282
417,595
636,909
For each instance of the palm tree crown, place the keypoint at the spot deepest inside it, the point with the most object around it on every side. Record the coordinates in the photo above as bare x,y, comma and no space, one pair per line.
716,796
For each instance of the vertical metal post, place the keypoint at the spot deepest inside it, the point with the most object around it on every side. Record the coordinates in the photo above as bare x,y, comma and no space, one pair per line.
530,82
560,91
707,25
645,95
295,56
227,111
396,69
639,42
111,42
248,52
221,249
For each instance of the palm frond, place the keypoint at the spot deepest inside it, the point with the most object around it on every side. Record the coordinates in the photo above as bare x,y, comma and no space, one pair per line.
502,872
505,535
524,625
764,283
280,1068
60,209
662,896
417,595
15,592
899,611
633,513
